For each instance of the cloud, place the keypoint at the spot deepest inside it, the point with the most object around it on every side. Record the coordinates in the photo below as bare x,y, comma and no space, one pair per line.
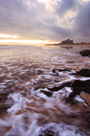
25,18
52,20
82,22
64,6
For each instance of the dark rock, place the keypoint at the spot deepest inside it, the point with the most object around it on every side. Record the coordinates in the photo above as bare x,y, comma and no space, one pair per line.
60,70
38,72
53,88
83,72
48,132
3,97
66,69
85,53
57,88
78,87
49,94
53,70
3,109
81,86
3,105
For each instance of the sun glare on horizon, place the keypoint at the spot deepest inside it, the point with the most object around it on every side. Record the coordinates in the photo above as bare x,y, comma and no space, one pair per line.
8,36
21,42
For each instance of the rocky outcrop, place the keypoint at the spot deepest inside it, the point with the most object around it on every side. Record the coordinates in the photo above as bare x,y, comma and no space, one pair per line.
57,88
83,72
85,53
78,87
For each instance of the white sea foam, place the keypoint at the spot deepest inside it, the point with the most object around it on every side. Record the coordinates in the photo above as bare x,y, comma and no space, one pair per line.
19,103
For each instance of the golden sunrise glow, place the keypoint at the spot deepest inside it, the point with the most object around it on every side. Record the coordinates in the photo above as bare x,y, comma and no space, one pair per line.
22,41
8,36
26,42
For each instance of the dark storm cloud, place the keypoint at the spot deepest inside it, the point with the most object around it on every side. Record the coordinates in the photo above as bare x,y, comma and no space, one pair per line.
82,22
80,30
65,5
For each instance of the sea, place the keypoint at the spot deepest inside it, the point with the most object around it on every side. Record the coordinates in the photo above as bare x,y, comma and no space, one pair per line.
27,106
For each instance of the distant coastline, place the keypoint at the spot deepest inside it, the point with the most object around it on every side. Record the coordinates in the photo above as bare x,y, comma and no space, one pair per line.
69,42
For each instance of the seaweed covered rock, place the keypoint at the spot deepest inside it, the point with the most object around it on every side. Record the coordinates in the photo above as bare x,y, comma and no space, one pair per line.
85,53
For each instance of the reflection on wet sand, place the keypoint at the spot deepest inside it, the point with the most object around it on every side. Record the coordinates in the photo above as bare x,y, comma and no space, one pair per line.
38,92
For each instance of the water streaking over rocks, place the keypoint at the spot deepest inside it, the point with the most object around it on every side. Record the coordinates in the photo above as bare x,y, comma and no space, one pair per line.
44,92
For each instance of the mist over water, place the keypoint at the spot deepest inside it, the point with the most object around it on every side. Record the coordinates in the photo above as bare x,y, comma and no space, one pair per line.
26,73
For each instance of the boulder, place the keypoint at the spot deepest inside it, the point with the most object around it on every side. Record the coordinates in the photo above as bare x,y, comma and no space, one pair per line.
83,72
85,53
78,87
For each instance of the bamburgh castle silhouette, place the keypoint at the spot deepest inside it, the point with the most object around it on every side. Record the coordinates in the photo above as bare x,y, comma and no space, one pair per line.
68,41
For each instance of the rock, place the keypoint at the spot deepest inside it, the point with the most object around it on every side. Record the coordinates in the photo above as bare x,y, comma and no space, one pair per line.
49,94
3,105
3,97
38,72
54,70
78,87
83,72
66,69
57,88
3,108
48,132
86,97
85,53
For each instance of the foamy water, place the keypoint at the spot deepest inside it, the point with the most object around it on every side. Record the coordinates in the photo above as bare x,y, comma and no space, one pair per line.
25,74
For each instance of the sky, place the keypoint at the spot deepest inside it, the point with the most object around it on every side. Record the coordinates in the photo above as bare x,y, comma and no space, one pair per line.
44,21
